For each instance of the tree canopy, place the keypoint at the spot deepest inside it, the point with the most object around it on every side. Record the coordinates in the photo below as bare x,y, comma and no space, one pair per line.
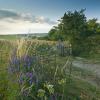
75,28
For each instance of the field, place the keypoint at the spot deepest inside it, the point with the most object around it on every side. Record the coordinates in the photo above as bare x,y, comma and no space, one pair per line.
40,70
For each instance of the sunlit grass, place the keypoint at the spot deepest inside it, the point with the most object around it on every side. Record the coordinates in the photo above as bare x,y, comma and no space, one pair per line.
10,89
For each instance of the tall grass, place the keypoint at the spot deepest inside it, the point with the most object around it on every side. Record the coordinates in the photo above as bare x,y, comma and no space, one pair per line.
37,71
34,64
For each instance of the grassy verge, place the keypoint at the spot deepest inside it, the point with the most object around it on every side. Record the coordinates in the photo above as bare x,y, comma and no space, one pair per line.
79,88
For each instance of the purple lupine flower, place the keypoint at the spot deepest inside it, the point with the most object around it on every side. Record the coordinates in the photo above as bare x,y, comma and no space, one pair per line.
31,78
21,80
29,75
27,61
23,65
14,64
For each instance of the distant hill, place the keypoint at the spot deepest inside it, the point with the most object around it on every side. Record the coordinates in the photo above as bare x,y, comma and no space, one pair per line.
34,34
17,36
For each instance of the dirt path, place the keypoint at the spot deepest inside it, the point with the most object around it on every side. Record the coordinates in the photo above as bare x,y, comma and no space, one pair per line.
89,66
94,67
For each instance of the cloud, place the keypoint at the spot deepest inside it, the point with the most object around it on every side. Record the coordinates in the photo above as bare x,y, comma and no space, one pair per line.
44,20
8,14
23,27
12,22
13,16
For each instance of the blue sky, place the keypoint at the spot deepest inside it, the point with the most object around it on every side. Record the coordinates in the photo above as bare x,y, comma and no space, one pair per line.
40,15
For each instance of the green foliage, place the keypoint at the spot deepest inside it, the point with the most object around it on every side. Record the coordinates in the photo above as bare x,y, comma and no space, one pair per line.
82,33
54,34
53,78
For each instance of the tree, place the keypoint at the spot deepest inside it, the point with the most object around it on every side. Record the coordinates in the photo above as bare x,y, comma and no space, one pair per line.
75,28
93,27
54,34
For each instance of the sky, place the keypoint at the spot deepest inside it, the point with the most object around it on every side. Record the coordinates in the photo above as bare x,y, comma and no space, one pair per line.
39,16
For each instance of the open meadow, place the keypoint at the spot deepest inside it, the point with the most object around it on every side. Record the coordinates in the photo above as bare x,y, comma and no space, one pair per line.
41,70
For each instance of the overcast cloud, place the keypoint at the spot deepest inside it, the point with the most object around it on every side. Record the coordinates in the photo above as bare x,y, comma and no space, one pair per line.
12,22
13,15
